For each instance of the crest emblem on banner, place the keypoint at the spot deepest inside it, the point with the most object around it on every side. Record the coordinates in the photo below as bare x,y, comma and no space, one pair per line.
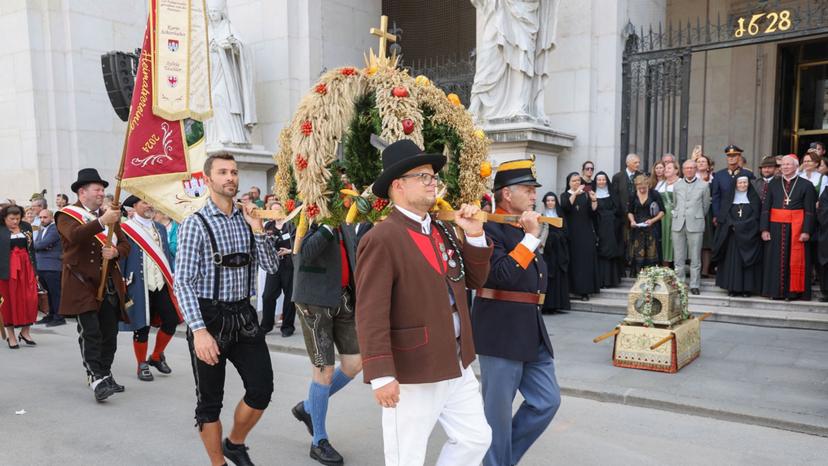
195,186
172,44
173,80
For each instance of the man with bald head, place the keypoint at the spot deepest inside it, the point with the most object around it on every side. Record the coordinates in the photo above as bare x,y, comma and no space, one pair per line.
623,188
48,252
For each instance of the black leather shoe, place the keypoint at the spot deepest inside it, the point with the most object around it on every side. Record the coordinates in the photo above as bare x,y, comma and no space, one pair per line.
584,297
287,332
44,320
56,322
160,364
695,291
302,416
144,373
103,390
118,388
326,454
237,454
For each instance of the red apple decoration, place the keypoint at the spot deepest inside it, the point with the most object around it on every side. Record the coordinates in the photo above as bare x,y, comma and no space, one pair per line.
399,92
408,126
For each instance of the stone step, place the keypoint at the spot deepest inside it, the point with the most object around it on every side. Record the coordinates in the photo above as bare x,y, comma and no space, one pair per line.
783,315
707,298
708,285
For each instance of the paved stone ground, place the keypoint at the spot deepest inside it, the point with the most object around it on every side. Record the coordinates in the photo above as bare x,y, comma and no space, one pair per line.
767,376
151,424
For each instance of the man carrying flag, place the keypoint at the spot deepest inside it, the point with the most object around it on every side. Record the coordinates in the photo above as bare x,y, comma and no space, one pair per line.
149,278
82,228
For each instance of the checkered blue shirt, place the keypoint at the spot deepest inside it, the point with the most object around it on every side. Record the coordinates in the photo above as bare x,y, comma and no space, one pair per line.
194,268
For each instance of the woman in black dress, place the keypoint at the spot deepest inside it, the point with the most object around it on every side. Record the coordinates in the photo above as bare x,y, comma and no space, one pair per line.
608,230
737,246
579,210
556,255
644,214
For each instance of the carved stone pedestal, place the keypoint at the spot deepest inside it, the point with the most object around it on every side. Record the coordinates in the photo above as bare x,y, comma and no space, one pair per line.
517,138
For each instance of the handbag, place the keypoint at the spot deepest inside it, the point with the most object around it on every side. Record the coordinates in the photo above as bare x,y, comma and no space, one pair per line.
42,299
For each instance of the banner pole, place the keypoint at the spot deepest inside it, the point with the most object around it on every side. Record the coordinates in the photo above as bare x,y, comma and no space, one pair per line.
115,201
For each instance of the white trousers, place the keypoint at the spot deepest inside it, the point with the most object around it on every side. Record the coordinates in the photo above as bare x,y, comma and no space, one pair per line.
456,404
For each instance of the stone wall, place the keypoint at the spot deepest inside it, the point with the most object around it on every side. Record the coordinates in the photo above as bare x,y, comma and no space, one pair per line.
584,92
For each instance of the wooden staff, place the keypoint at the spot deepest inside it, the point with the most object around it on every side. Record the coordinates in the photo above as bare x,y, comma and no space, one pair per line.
115,201
483,216
603,337
663,341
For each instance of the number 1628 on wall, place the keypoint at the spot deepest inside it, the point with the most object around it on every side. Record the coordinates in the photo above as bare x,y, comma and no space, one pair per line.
780,21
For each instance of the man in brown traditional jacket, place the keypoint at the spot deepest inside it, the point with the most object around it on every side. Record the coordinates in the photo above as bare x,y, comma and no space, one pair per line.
82,229
412,315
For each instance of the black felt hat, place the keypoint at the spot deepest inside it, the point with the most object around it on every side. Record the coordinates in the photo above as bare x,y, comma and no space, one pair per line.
732,149
399,158
130,201
516,172
87,176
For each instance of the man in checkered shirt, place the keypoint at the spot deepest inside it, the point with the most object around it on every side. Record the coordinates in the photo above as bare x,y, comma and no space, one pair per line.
218,251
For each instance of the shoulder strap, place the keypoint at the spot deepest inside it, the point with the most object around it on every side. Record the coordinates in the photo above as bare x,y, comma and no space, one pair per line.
250,268
216,256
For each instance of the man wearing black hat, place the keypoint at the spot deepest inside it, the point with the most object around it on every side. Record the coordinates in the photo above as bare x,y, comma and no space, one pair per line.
509,333
724,180
413,318
767,170
83,230
148,272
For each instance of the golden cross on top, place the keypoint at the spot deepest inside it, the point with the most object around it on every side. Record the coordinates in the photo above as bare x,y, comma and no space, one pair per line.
384,35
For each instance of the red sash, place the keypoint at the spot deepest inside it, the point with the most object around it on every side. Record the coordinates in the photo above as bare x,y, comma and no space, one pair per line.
797,258
84,217
137,235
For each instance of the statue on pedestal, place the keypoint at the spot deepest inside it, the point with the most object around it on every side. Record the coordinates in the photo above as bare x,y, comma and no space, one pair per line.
516,39
231,75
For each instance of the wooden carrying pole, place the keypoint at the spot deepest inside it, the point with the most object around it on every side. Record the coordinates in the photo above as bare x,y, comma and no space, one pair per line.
116,200
663,341
603,337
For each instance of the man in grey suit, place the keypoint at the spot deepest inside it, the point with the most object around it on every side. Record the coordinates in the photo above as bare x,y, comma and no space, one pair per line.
692,201
49,252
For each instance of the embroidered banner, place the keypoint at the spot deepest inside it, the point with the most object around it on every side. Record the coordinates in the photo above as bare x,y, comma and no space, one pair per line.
172,93
181,77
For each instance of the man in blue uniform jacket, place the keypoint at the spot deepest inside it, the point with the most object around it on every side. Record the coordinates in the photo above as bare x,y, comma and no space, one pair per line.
509,333
724,180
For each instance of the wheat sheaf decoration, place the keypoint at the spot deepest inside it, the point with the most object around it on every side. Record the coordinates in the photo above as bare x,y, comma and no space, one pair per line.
326,163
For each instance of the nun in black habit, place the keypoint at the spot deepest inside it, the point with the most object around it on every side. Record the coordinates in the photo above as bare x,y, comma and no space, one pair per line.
579,210
608,229
556,255
737,245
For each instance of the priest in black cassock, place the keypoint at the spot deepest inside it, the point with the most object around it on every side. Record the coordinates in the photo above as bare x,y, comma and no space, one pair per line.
736,246
786,223
822,244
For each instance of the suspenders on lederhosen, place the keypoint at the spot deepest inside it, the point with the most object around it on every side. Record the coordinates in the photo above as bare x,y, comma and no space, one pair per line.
235,318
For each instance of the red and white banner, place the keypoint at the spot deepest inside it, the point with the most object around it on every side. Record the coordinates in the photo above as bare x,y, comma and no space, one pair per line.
172,84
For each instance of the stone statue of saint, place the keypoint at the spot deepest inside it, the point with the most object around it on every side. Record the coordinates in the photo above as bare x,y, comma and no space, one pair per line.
231,76
516,39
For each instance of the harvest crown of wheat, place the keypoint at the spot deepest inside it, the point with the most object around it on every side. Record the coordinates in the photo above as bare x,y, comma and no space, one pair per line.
326,160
